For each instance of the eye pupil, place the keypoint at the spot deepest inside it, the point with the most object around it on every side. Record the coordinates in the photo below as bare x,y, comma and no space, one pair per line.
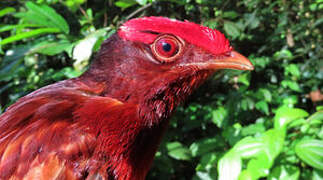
166,47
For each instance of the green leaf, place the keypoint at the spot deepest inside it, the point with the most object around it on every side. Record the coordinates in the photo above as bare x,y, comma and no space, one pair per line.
259,167
291,85
273,141
284,172
317,174
203,146
263,107
248,147
283,54
231,29
230,14
253,129
142,2
293,70
266,94
29,34
229,166
177,151
244,78
316,118
285,115
125,3
52,48
247,104
11,27
207,162
7,10
290,101
47,15
311,152
219,115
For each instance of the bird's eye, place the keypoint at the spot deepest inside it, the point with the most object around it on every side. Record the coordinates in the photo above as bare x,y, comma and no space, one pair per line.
166,48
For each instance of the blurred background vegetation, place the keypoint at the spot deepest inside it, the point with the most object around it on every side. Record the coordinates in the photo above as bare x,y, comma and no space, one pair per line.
239,125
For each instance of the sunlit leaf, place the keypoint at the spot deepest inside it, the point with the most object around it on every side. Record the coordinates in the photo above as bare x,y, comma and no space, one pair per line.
285,115
29,34
7,10
177,151
284,172
52,48
48,13
248,147
125,3
311,152
229,166
219,115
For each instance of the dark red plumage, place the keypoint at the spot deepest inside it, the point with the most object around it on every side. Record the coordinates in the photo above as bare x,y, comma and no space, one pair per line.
108,123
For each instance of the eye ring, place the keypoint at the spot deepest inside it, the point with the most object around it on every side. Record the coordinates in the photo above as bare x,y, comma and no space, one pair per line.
166,48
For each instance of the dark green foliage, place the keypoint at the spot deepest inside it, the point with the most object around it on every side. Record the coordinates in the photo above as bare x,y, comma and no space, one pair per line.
248,125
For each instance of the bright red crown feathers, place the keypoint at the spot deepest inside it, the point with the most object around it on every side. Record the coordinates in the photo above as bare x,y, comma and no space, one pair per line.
147,28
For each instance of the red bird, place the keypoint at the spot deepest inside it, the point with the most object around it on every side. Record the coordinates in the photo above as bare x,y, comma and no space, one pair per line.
108,123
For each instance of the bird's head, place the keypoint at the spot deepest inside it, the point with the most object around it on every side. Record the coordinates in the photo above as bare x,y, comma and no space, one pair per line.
160,60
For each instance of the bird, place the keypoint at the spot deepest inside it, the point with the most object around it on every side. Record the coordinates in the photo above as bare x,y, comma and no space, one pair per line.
108,122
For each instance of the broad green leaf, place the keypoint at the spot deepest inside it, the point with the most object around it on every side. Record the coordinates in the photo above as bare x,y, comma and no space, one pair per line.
29,34
316,118
244,78
284,172
142,2
273,141
253,129
219,115
283,54
125,3
311,152
293,70
7,10
317,174
48,13
177,151
247,104
285,115
266,94
263,107
207,162
259,166
231,29
290,101
52,48
229,166
41,21
248,147
203,146
291,85
245,175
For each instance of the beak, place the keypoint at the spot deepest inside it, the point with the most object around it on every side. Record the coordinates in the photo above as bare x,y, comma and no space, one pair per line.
233,60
